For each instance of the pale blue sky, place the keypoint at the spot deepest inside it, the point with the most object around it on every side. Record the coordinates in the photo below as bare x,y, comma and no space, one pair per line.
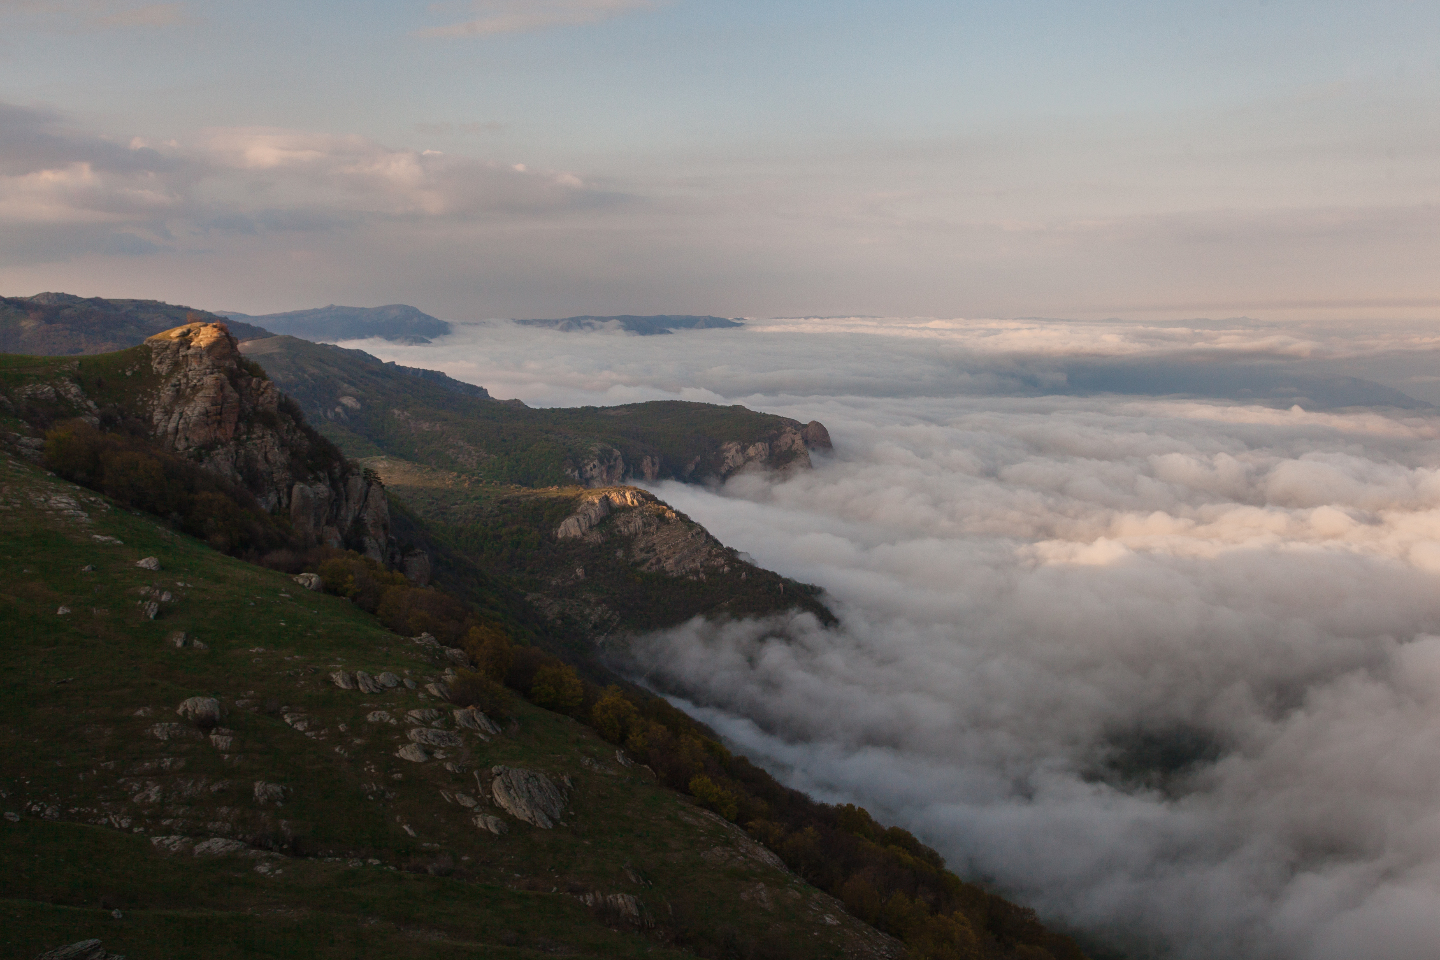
955,159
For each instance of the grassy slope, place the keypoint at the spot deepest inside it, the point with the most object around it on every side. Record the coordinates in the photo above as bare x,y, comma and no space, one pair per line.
488,439
73,752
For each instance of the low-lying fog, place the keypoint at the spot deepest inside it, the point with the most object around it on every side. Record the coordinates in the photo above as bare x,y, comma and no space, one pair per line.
1163,666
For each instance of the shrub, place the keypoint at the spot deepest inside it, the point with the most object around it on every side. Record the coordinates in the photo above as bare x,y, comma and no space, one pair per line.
490,647
614,717
715,797
471,689
557,687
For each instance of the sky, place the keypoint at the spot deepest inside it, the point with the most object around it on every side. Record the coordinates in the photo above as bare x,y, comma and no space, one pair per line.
503,158
1163,664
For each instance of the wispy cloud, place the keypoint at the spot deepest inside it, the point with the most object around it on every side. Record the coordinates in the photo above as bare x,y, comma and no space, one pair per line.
72,16
523,16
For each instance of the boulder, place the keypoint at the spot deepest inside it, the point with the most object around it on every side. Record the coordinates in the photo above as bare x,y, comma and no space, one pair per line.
149,609
343,679
367,683
423,715
488,821
472,719
412,752
388,680
218,846
435,738
439,689
174,731
84,950
527,795
149,563
380,716
310,581
269,792
201,710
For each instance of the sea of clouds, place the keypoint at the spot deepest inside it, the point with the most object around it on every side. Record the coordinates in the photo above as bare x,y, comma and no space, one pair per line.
1163,662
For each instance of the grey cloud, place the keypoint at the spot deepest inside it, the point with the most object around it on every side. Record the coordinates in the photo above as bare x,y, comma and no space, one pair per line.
1166,667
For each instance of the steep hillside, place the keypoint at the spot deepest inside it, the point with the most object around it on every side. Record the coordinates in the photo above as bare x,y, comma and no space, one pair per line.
397,321
595,562
143,423
371,408
59,324
282,815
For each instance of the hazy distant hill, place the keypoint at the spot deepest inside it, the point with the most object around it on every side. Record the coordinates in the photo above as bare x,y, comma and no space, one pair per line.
61,324
397,322
645,326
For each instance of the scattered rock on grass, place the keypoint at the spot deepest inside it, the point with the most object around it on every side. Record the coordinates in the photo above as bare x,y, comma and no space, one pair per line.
218,846
435,738
84,950
423,715
149,609
310,581
472,719
269,792
343,679
200,710
527,795
149,563
367,683
388,680
488,821
380,716
413,752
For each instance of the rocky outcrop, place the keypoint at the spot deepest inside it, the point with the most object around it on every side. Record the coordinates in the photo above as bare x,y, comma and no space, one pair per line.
596,507
528,795
787,447
658,539
214,407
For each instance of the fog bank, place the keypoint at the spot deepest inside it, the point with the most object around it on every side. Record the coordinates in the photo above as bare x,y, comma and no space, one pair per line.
1165,667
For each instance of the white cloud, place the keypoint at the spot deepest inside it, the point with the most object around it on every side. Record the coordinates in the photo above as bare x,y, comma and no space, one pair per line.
524,16
1042,596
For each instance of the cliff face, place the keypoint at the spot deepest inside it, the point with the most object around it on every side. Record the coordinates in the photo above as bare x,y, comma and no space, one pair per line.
787,447
211,406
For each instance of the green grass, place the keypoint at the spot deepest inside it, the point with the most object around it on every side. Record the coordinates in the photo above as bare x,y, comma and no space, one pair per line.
73,753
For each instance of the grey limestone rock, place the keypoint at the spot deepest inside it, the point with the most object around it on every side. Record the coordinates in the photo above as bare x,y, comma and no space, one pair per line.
388,680
527,795
423,715
439,689
149,609
435,738
200,710
83,950
269,792
412,752
343,679
472,719
380,716
174,731
310,581
217,846
367,683
488,821
149,563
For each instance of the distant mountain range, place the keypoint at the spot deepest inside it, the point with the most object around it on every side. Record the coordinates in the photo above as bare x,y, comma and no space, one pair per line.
62,324
397,322
644,326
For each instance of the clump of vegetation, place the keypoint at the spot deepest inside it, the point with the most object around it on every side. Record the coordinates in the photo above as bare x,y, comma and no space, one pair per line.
139,475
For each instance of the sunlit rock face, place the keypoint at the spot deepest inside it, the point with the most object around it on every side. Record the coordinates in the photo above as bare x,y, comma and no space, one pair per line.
219,410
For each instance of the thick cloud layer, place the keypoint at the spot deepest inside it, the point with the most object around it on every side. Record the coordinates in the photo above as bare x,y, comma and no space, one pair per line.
1167,668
